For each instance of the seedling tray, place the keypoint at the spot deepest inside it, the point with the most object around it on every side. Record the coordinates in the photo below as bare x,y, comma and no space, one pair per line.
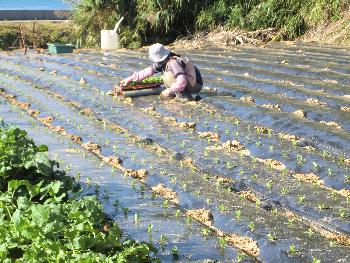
141,86
56,48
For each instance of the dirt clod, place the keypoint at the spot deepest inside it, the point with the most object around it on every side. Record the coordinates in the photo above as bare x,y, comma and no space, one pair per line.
332,124
165,192
345,109
277,165
309,178
202,215
82,81
249,196
315,102
344,192
46,120
233,146
288,137
92,147
337,238
33,113
271,106
245,244
74,138
86,112
22,105
247,99
10,97
223,180
263,130
299,113
209,135
58,129
113,161
188,125
137,174
54,72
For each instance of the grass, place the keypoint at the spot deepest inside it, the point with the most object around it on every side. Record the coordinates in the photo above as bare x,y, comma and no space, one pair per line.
47,31
148,21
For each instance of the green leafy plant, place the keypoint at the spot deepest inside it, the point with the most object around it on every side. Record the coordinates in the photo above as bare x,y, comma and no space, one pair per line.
222,242
238,215
40,213
270,237
163,240
292,249
251,226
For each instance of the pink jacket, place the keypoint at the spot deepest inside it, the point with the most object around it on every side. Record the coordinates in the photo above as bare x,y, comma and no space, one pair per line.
178,86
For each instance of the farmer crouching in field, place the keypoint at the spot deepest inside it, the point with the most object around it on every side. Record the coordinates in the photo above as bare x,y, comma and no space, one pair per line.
181,78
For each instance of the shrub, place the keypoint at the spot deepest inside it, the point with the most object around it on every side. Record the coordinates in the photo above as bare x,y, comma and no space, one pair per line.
41,223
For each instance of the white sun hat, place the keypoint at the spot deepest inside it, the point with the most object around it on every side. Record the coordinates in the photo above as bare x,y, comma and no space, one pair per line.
157,52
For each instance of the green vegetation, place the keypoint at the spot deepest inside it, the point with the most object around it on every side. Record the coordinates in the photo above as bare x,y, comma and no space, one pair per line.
149,80
47,32
40,221
148,21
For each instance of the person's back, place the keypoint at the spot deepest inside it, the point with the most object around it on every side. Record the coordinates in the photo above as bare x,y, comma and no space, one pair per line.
181,78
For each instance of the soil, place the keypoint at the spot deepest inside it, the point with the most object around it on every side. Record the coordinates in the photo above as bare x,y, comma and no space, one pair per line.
87,112
23,105
249,195
209,135
113,161
46,120
92,147
247,99
288,137
75,138
332,124
310,178
345,109
33,113
137,174
82,81
188,125
271,106
299,113
246,244
165,192
272,163
316,102
58,129
202,215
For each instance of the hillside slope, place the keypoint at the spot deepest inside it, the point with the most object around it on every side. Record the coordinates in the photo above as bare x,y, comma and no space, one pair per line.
337,32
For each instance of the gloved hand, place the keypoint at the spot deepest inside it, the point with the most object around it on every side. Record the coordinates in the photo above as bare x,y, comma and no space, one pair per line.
166,93
126,81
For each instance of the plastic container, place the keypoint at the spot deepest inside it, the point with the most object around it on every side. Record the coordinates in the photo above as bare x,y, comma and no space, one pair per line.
56,48
110,38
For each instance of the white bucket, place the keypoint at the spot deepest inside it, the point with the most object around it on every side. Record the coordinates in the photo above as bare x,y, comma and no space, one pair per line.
110,38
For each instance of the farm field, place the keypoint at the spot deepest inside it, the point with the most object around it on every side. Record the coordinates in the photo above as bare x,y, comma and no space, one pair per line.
257,170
